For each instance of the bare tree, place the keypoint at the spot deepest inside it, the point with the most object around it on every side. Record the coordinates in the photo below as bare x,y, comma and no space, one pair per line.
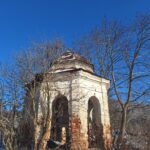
33,65
121,54
10,105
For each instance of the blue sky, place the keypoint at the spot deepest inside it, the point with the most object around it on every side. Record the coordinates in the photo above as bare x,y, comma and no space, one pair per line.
25,21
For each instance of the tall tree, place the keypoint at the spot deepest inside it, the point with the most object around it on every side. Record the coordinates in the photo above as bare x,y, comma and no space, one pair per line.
121,54
33,66
19,85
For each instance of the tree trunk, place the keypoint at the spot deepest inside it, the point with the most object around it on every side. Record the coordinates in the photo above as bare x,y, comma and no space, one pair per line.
9,144
35,138
122,127
46,134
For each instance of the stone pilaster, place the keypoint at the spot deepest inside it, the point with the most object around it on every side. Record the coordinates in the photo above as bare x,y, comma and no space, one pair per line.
107,137
78,139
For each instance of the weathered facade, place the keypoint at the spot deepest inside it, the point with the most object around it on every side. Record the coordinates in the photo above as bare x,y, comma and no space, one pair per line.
78,104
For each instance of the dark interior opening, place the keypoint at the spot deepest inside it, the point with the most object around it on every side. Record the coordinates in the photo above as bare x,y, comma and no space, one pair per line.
94,123
60,120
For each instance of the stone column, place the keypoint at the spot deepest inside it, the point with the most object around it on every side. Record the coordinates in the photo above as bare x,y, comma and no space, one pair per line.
78,139
107,137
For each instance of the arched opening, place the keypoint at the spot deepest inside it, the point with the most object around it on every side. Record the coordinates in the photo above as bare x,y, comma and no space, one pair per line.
60,120
94,123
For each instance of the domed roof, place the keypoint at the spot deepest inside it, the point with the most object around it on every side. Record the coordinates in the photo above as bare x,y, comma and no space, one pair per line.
70,60
68,55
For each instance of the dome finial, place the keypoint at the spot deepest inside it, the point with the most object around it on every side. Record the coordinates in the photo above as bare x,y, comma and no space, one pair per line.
68,52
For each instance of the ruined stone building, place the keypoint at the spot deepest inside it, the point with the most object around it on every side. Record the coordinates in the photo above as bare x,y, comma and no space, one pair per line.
78,104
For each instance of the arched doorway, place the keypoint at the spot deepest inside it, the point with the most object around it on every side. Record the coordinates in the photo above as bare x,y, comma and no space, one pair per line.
60,120
94,123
